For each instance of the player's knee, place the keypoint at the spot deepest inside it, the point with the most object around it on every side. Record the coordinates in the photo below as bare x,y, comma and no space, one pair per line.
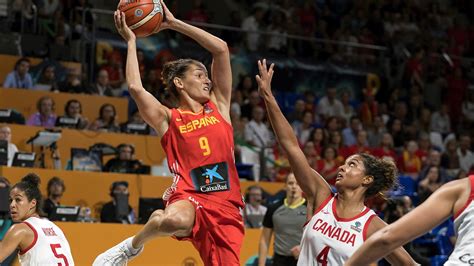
177,223
157,213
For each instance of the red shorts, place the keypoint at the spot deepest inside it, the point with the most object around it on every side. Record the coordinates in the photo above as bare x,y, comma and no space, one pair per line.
218,230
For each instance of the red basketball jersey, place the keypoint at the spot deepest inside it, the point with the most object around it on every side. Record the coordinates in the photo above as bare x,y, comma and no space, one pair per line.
200,152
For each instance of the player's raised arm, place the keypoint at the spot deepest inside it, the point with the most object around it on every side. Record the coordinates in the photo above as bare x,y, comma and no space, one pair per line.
220,70
311,182
152,111
438,207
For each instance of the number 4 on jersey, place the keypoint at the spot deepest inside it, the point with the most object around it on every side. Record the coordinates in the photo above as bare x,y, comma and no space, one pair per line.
322,257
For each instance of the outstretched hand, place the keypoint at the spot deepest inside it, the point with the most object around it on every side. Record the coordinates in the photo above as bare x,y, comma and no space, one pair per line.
168,18
122,28
264,80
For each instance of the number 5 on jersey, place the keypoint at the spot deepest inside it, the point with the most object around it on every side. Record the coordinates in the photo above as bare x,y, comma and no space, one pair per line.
60,256
204,144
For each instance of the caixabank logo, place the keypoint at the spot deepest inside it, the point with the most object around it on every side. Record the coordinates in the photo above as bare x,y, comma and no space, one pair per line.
211,177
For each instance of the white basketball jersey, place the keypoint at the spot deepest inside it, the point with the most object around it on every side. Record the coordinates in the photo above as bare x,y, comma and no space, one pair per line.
331,240
463,253
50,246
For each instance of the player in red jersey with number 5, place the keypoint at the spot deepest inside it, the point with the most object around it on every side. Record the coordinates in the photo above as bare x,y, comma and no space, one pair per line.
40,241
204,201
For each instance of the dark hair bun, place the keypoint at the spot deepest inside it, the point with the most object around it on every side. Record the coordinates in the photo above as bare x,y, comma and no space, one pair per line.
32,179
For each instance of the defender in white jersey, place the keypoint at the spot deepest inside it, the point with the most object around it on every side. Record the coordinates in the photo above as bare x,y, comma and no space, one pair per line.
40,242
337,223
454,198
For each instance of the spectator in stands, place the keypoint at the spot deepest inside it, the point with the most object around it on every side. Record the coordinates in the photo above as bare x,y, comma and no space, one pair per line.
304,128
369,107
21,9
102,86
328,165
256,131
410,163
73,82
309,151
347,109
258,134
376,132
440,121
395,128
153,83
385,148
361,145
336,141
429,183
110,212
415,108
329,105
47,79
107,120
450,159
401,112
47,13
55,190
298,111
434,159
246,85
6,222
19,77
465,154
254,101
198,13
332,124
424,147
115,69
278,42
135,125
45,117
48,8
423,122
319,139
73,109
253,23
457,87
349,134
233,38
124,162
6,134
285,220
468,108
254,210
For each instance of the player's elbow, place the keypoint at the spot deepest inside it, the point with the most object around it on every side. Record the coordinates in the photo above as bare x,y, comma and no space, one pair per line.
222,48
387,238
133,87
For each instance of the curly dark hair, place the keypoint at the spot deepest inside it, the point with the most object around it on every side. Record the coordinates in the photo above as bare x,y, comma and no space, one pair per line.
30,186
384,173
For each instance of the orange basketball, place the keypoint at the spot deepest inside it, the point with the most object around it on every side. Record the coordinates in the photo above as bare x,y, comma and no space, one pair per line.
142,16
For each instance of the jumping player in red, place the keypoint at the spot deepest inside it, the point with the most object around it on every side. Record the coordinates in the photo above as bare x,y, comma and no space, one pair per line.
204,201
337,224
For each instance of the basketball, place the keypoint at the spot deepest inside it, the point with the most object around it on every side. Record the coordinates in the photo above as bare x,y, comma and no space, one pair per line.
144,17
